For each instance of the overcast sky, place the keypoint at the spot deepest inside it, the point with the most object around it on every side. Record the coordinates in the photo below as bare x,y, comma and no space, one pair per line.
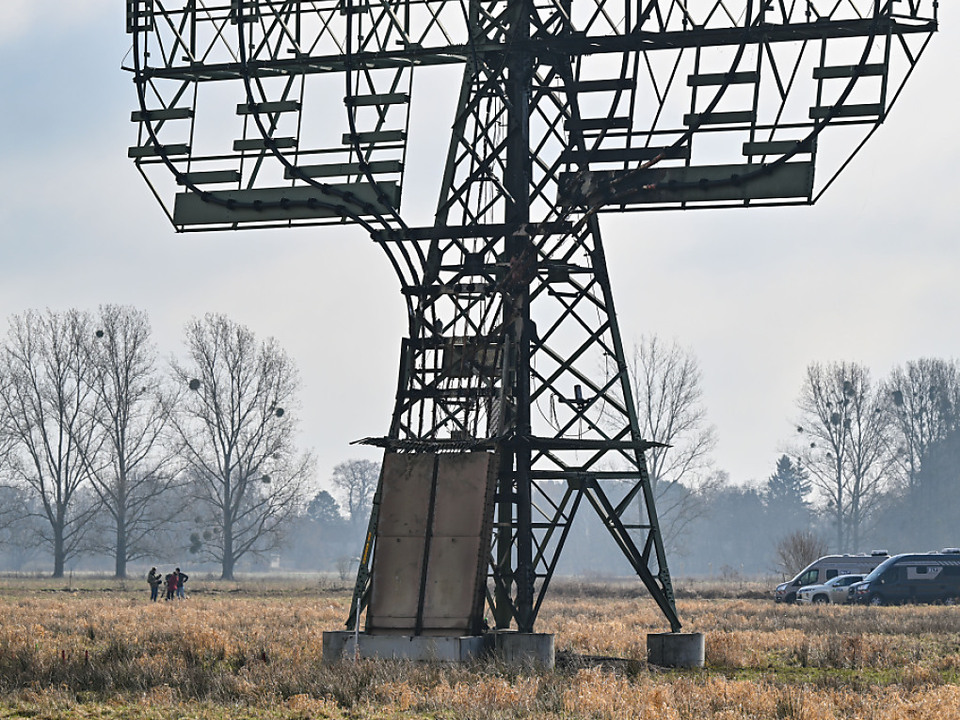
868,275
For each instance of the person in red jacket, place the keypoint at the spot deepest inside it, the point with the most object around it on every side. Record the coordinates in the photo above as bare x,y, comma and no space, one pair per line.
171,582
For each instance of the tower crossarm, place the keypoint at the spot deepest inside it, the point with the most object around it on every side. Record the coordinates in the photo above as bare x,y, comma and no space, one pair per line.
578,44
255,67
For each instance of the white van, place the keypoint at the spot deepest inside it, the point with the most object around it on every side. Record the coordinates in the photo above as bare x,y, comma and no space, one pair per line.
826,568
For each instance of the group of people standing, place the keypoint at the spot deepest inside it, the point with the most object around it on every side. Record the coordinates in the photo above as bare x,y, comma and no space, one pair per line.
173,584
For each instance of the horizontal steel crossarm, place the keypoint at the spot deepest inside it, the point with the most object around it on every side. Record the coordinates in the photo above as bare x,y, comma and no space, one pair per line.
439,343
206,72
568,443
561,47
463,232
438,445
460,393
586,475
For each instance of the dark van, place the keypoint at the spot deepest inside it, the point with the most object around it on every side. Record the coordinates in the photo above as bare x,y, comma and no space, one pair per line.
912,578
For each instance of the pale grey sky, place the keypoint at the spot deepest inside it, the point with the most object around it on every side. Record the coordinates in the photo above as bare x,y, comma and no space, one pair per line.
867,275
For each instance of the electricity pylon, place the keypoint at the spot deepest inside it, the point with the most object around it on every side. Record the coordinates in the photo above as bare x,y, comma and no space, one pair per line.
565,110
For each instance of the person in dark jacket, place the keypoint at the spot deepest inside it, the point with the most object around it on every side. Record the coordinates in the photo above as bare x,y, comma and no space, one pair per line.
181,579
154,579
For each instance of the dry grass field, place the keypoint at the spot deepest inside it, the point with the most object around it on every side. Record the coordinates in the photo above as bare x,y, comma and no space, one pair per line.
96,649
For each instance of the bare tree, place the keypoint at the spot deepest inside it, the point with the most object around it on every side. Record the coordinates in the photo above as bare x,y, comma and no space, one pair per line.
13,501
845,446
131,472
235,428
356,481
48,406
669,403
924,402
666,389
797,550
14,509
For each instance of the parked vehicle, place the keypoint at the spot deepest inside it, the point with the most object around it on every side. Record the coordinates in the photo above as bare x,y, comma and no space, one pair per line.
835,590
912,578
827,568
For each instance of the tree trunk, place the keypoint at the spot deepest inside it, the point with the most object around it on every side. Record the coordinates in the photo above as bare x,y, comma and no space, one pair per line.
228,559
58,553
227,568
839,529
120,559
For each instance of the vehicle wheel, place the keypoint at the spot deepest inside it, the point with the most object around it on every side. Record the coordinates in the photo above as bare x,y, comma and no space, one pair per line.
877,600
820,599
791,598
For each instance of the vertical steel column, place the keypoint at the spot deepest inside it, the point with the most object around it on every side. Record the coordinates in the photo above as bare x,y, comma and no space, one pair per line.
521,256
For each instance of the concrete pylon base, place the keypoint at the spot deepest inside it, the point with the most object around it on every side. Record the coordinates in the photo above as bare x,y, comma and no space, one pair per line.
513,648
343,645
678,650
525,649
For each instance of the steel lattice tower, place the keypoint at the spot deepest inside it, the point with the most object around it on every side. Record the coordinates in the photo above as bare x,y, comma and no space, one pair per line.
565,110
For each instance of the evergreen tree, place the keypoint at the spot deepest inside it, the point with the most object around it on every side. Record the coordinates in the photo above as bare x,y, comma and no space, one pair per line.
785,494
324,509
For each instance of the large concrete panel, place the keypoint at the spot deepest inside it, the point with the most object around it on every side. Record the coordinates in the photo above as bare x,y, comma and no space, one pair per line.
405,499
463,487
395,585
450,593
432,544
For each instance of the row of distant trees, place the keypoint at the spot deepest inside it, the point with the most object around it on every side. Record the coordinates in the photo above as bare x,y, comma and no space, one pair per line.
105,448
884,456
872,463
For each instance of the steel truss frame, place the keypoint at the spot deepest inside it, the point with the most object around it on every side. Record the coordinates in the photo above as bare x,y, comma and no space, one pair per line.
565,110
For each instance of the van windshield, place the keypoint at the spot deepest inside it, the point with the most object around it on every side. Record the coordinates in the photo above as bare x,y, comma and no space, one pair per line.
878,570
803,574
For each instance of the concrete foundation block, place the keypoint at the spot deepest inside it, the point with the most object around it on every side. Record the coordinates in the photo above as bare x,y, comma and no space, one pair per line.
525,649
677,650
333,643
342,645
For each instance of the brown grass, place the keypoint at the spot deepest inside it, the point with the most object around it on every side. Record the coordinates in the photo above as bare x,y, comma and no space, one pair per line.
245,651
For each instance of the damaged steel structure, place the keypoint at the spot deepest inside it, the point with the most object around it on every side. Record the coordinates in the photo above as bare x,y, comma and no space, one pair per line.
565,110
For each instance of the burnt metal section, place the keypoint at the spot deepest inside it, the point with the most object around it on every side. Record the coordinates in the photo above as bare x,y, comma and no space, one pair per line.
688,184
431,544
